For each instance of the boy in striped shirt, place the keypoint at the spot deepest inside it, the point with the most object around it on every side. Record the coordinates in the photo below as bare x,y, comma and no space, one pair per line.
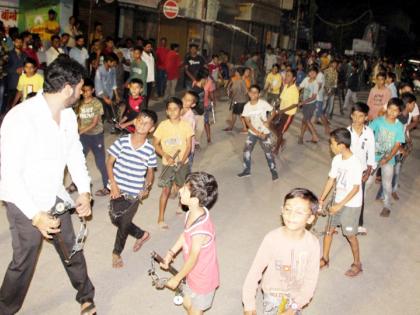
130,167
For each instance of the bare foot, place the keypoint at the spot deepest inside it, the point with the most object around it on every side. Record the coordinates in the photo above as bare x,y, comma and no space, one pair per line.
163,225
140,241
117,261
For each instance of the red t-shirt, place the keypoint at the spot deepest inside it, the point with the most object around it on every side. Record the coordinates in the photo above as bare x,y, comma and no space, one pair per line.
31,53
132,110
161,53
173,61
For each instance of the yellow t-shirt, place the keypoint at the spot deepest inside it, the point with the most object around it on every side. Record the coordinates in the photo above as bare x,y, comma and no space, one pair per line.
28,85
274,82
51,26
173,137
289,96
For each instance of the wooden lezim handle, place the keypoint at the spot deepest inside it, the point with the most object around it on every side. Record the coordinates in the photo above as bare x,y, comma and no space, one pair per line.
159,259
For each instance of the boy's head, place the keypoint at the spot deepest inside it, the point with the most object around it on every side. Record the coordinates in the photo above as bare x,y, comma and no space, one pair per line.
111,60
299,208
80,40
145,121
52,15
215,59
312,72
275,68
193,49
202,76
55,41
88,88
380,79
173,108
340,140
136,87
109,42
137,51
200,189
239,71
148,47
359,113
394,108
254,92
290,77
175,46
189,99
390,77
405,87
65,37
29,67
409,101
247,72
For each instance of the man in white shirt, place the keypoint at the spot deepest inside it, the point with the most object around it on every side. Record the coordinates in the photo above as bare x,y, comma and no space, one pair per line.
255,115
270,60
148,58
32,174
362,146
52,53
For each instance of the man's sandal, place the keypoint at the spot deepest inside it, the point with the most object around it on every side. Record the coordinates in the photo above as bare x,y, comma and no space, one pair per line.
89,310
354,270
323,263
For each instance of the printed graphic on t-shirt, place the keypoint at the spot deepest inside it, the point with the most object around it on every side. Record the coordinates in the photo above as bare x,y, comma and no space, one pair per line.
86,113
173,141
385,141
341,180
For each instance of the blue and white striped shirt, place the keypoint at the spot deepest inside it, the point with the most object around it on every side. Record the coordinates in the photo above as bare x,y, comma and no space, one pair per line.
131,165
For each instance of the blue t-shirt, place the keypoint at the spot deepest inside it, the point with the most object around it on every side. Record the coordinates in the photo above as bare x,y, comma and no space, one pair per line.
386,136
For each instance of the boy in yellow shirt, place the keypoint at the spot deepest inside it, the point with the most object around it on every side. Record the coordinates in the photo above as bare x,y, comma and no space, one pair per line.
29,81
172,135
273,84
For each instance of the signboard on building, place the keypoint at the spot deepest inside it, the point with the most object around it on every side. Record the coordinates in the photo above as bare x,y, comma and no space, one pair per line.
362,46
9,11
170,9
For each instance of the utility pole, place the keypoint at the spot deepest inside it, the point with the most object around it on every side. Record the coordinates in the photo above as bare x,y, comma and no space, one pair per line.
297,25
203,27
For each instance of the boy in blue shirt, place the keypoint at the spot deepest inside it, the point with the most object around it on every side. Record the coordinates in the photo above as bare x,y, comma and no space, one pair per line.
389,134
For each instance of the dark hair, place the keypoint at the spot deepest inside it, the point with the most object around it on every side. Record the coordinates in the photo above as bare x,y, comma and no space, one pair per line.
405,84
150,114
137,81
111,57
25,34
240,70
408,98
304,194
147,42
65,34
139,48
360,107
276,65
109,38
203,186
31,61
194,94
32,94
174,46
193,45
60,72
255,86
396,102
17,36
97,24
391,75
174,100
88,82
214,56
313,68
293,72
202,74
341,136
77,37
51,11
381,74
55,37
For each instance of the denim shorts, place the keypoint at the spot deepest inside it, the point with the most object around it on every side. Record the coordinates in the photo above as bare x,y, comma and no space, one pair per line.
207,113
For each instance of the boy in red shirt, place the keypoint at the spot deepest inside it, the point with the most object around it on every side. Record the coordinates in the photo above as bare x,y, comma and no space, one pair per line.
133,105
172,64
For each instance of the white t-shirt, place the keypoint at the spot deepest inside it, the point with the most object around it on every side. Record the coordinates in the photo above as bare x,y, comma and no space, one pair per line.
320,79
363,146
150,62
257,114
309,88
347,173
414,113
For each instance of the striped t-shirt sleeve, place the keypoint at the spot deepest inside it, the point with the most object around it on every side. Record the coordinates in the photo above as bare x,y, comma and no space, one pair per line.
115,148
152,161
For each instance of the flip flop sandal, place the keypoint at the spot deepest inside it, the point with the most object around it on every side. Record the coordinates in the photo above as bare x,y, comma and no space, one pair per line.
88,310
139,242
354,270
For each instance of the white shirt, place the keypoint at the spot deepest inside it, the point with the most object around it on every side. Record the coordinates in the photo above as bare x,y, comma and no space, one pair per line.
150,62
414,113
270,60
320,79
34,153
51,54
257,114
363,146
347,173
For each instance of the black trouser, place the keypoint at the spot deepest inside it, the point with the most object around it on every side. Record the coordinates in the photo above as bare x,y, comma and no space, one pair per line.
96,144
126,227
148,94
26,243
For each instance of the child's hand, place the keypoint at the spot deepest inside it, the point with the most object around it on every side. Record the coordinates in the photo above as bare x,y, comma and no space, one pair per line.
115,191
166,261
173,283
335,208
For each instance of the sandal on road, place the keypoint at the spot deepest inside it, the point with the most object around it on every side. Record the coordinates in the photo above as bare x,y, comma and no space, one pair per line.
90,309
354,270
102,192
140,241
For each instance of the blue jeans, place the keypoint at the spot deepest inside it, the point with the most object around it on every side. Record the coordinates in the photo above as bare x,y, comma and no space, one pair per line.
329,105
395,180
161,82
96,144
266,146
386,189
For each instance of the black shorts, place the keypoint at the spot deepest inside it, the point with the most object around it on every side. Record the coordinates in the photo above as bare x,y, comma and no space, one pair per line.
238,108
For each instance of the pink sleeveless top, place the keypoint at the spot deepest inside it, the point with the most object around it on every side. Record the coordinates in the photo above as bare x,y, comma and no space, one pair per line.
204,277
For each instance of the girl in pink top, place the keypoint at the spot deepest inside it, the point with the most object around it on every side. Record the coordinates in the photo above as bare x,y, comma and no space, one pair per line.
201,268
287,260
379,96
